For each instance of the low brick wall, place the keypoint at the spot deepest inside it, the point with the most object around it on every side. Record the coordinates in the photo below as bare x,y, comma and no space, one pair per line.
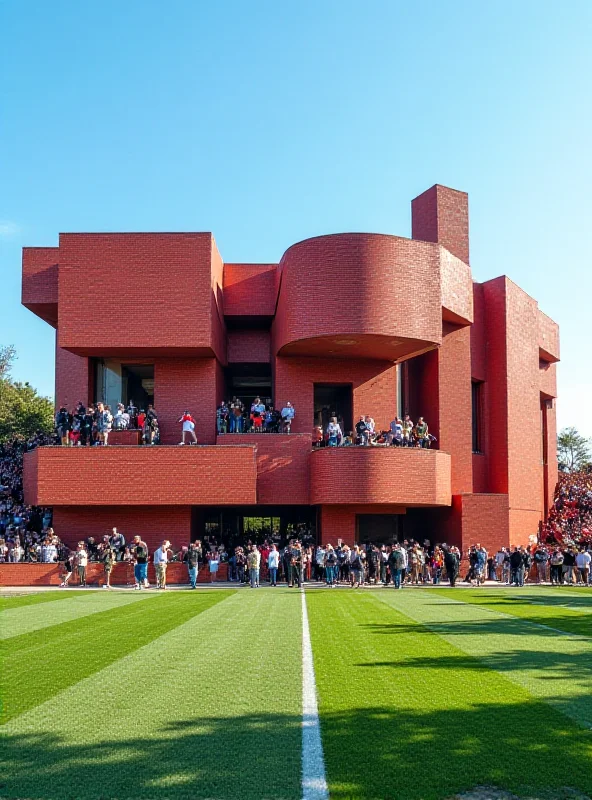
122,575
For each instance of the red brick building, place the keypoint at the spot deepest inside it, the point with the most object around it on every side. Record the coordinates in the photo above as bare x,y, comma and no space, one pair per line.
355,322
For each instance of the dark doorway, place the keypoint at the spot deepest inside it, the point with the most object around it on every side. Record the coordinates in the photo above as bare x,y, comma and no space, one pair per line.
137,382
248,381
238,526
377,528
333,400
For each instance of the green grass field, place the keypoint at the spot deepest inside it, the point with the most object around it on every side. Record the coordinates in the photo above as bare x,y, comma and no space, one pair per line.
422,694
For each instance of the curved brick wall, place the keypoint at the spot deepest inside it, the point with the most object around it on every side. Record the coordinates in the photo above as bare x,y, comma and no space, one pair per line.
359,294
365,475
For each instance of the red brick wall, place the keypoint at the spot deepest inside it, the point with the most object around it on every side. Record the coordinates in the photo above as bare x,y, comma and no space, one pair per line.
454,373
164,476
282,466
457,288
122,575
152,523
250,289
366,475
339,522
137,292
248,346
338,290
186,383
40,282
441,215
374,387
73,379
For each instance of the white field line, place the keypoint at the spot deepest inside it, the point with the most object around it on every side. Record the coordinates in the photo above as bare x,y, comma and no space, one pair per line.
314,781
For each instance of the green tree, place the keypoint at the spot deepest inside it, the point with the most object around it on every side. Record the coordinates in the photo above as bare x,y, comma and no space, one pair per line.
573,450
23,412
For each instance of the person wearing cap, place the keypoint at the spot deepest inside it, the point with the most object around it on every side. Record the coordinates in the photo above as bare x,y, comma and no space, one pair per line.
139,551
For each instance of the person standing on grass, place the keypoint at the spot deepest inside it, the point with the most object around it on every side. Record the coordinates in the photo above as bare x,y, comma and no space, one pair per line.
139,551
68,569
330,566
583,559
296,564
161,559
108,562
81,563
396,560
273,562
193,558
254,563
556,566
541,558
517,567
452,564
357,567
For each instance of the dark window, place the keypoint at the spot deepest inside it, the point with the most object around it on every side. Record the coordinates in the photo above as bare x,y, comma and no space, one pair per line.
333,400
477,409
248,381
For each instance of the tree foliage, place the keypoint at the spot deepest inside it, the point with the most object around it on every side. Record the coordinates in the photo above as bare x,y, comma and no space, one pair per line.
23,412
573,450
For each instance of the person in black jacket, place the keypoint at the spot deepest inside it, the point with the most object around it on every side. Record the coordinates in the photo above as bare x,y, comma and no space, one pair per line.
517,567
452,564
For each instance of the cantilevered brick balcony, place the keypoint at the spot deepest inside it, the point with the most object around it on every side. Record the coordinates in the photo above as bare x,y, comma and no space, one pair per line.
385,475
139,476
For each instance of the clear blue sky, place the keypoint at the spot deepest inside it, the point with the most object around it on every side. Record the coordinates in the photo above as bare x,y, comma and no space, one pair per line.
268,122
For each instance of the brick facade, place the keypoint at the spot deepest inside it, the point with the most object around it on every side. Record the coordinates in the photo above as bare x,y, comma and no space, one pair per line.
367,312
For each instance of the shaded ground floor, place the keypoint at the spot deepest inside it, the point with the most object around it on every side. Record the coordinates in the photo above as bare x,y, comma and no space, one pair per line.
471,518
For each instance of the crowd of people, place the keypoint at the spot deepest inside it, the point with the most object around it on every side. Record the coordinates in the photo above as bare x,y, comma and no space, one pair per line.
570,518
402,563
25,531
88,426
92,425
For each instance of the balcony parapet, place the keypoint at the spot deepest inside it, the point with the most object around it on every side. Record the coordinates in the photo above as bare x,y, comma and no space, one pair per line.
386,475
139,476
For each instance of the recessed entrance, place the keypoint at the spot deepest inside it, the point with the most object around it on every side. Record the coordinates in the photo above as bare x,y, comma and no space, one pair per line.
248,381
238,526
333,400
116,382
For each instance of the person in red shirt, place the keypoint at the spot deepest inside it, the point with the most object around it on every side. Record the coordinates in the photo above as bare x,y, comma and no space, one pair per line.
188,427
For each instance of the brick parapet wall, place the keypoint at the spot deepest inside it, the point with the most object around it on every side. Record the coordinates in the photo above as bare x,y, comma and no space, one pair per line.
122,574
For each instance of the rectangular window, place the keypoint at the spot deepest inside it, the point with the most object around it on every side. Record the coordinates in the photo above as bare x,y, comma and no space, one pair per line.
477,409
333,400
118,382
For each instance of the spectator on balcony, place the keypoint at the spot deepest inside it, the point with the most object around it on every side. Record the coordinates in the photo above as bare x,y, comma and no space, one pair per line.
421,433
288,413
370,428
132,412
222,414
139,551
63,423
407,431
334,433
86,428
161,559
317,436
121,421
104,421
396,432
257,415
140,419
188,428
361,431
81,563
236,415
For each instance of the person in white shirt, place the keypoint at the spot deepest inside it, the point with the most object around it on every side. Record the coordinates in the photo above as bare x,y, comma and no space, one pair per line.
161,559
81,562
273,562
583,559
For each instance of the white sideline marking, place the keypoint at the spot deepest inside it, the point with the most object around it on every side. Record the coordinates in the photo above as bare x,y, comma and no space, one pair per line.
314,781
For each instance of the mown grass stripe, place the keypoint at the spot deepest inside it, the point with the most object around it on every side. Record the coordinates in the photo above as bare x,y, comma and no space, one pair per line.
560,611
404,714
314,780
212,708
25,619
36,598
551,666
40,664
